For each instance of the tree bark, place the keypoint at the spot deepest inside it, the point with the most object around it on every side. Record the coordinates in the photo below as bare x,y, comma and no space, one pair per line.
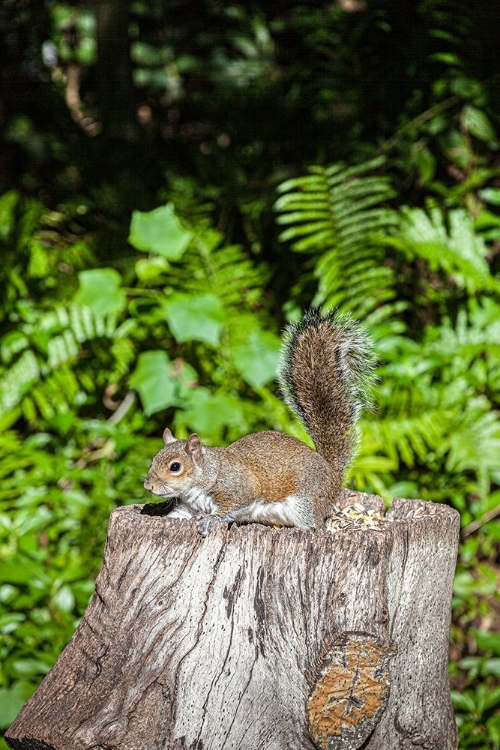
258,638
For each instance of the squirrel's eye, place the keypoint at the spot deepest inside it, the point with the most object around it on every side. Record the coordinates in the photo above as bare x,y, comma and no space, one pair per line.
175,467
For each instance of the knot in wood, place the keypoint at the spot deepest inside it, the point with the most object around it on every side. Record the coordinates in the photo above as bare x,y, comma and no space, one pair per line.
350,692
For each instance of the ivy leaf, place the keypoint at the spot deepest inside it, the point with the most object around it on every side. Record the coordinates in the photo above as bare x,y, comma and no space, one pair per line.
209,413
148,269
256,356
159,231
162,383
151,379
195,318
101,291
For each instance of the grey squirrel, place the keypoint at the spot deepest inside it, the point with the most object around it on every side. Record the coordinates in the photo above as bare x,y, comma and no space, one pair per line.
268,477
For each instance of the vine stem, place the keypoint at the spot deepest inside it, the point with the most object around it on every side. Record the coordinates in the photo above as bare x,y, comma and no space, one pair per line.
475,525
428,114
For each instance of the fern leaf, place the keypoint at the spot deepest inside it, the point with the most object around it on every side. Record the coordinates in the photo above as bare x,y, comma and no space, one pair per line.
36,367
335,213
18,379
449,244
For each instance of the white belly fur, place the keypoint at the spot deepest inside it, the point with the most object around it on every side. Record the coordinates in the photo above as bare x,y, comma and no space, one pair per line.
200,501
291,512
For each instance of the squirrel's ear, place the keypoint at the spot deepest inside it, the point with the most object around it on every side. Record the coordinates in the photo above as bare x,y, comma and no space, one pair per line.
167,436
194,447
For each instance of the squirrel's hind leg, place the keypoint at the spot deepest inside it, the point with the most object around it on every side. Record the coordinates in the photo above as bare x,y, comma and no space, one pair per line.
295,510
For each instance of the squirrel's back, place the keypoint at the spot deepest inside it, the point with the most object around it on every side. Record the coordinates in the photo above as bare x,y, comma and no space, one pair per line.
326,373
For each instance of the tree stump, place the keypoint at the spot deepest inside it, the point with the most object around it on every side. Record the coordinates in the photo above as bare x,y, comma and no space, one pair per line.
257,638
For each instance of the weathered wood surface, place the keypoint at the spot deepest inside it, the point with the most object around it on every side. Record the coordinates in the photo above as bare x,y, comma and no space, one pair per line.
258,639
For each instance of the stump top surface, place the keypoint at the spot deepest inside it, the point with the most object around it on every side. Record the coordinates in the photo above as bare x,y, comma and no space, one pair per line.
357,503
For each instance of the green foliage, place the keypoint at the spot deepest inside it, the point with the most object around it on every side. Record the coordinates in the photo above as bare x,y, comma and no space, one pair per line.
448,245
67,373
436,432
337,213
55,499
159,231
178,143
207,299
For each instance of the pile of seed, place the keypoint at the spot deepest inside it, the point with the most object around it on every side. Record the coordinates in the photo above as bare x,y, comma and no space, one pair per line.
353,518
421,510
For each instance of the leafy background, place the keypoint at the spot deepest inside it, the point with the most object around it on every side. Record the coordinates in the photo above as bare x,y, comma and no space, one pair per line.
178,180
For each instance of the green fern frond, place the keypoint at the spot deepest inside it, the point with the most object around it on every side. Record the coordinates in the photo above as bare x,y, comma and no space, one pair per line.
79,324
447,243
222,270
38,372
17,380
474,334
335,213
475,446
408,437
55,394
205,266
430,413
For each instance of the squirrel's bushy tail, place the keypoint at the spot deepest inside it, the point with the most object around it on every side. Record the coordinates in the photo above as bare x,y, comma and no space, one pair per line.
326,375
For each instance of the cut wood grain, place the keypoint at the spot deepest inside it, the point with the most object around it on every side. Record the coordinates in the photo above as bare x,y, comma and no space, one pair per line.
256,638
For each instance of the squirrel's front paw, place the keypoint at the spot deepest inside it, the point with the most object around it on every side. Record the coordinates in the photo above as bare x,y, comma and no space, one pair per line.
207,523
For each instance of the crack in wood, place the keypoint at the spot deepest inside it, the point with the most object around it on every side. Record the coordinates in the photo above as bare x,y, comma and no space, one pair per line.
199,628
217,676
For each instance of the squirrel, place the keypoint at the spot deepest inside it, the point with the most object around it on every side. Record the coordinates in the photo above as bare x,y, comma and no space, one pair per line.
325,375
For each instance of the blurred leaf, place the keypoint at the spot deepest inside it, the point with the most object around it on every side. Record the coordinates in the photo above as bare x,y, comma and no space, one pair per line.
493,728
426,164
465,88
255,356
22,570
209,413
64,600
476,122
492,666
491,195
8,203
29,667
152,380
10,621
148,269
464,701
100,290
487,640
12,700
199,318
159,231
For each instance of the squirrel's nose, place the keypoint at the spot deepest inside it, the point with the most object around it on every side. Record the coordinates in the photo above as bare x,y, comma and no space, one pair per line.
148,484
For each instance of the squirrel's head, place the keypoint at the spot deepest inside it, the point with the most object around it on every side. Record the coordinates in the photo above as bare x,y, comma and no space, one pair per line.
176,467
